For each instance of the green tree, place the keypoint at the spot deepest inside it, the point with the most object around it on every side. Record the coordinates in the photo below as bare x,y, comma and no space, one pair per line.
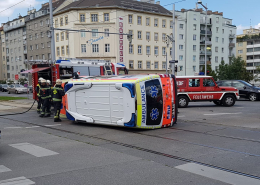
22,80
9,82
2,82
211,72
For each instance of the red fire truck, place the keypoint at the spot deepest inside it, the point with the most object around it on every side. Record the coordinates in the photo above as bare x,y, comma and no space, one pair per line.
65,69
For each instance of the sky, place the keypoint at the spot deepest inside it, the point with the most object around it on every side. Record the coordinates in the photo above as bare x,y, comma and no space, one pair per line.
240,11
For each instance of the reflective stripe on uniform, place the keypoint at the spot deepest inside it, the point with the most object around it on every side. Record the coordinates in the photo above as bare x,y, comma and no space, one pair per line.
56,99
46,97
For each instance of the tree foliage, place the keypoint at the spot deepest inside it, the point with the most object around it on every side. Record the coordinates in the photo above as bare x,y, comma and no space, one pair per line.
22,80
2,82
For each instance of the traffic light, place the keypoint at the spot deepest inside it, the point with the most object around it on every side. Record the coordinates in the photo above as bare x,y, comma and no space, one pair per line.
207,72
176,68
166,39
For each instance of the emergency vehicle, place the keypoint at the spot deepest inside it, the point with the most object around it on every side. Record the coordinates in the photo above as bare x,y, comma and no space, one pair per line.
65,69
204,88
139,101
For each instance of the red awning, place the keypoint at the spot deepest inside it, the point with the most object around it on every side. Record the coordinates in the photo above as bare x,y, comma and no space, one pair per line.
35,70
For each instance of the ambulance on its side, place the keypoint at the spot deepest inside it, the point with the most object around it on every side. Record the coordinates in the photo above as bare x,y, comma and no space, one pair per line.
140,101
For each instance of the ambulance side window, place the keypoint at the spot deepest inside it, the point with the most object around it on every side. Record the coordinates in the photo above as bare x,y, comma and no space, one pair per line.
194,82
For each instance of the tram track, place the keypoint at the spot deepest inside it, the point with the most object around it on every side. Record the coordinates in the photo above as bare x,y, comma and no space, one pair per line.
143,149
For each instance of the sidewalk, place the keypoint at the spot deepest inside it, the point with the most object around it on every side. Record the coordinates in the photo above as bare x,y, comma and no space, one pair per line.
12,104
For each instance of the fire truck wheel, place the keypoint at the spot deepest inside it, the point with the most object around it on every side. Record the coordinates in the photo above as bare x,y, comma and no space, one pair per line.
217,102
183,101
228,100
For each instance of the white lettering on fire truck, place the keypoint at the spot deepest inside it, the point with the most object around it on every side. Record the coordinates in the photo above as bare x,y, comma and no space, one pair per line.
199,97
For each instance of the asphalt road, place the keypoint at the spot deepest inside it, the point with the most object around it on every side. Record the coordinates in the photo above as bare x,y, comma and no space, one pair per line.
209,145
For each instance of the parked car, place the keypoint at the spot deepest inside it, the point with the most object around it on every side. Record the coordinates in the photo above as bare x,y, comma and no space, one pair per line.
16,88
1,87
4,87
30,89
246,90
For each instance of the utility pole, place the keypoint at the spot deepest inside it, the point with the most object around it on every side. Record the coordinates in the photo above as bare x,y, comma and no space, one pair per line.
53,59
173,36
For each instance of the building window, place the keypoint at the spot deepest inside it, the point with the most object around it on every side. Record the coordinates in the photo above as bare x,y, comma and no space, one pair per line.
36,46
163,51
57,37
41,23
139,49
216,39
35,25
67,50
148,21
58,51
66,20
139,35
43,57
49,44
194,47
163,37
217,29
181,57
155,36
222,50
148,65
139,64
94,17
106,32
82,17
181,26
181,68
42,45
106,16
41,34
61,21
67,35
222,59
240,44
222,40
194,68
194,36
62,36
240,51
83,48
194,58
47,21
155,22
107,48
194,26
95,48
49,56
217,19
82,33
131,33
216,58
181,47
156,65
223,31
164,23
130,19
62,50
139,20
94,33
181,36
164,65
216,49
131,64
156,50
171,24
131,49
36,36
148,50
147,35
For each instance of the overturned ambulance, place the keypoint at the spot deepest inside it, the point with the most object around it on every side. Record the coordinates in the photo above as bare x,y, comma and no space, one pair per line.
141,101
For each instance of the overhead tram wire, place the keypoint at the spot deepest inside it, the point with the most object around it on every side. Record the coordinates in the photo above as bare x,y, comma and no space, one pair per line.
12,6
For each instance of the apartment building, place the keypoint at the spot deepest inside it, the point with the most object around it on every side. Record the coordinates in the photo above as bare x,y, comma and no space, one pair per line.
38,32
248,47
16,53
148,22
2,55
191,40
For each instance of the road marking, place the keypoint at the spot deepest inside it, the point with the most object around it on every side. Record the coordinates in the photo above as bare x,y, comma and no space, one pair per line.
52,125
216,174
17,180
239,107
221,114
181,116
11,127
4,169
33,149
33,127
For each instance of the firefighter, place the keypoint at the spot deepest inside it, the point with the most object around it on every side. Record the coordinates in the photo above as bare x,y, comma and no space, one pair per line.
45,93
50,100
57,94
37,89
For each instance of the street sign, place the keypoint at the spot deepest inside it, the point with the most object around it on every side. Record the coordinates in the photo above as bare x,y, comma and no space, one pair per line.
16,77
173,61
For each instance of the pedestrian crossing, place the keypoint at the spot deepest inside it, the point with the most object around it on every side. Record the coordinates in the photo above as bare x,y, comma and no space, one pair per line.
16,181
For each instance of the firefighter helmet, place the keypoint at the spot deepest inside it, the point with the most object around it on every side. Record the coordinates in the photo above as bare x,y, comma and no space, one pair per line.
40,79
58,82
48,81
43,81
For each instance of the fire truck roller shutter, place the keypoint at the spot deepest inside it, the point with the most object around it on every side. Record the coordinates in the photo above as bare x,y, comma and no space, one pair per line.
84,71
94,71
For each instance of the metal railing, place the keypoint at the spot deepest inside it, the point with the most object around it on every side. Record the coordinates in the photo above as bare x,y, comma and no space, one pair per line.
204,32
8,27
232,45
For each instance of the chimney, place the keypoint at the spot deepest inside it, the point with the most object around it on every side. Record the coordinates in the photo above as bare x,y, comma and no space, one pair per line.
220,13
157,2
182,10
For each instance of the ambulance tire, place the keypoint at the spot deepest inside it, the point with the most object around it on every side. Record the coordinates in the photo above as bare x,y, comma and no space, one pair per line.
228,100
217,102
183,101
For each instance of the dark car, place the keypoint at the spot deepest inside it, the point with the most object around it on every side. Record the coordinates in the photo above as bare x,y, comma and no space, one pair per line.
4,87
246,90
1,87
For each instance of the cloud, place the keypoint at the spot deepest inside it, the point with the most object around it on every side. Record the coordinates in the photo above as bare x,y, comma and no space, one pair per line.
8,7
240,29
257,26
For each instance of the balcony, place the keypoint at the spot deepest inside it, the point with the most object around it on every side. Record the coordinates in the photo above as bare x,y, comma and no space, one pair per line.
203,53
25,51
231,55
24,37
7,27
204,22
207,42
24,33
231,45
203,32
24,42
232,36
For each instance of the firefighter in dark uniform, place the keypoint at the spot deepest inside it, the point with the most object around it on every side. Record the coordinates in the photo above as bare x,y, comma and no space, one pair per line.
45,93
57,93
50,103
37,89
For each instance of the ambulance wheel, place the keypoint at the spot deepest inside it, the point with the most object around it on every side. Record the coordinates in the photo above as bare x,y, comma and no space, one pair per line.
217,102
183,101
228,100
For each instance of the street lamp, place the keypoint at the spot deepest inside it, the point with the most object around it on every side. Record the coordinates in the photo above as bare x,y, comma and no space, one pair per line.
199,2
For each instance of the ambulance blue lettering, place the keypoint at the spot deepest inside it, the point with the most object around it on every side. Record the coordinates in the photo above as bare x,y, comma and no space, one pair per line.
143,103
